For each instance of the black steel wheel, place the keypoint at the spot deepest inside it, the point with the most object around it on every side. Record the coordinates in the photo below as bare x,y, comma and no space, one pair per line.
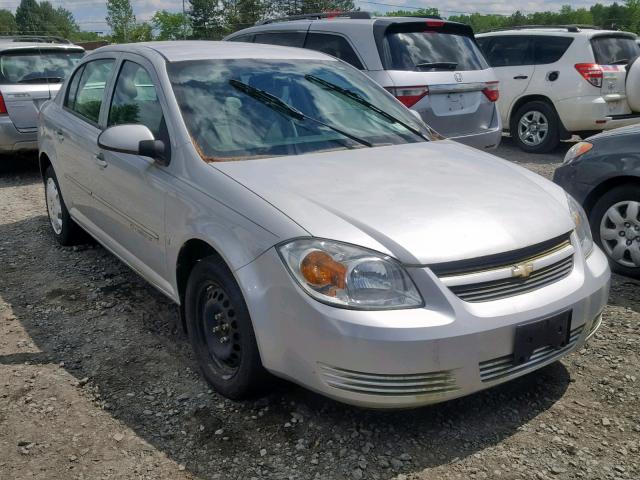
221,332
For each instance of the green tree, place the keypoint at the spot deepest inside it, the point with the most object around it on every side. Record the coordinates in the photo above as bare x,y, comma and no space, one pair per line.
422,12
206,19
28,19
121,19
142,32
7,23
171,26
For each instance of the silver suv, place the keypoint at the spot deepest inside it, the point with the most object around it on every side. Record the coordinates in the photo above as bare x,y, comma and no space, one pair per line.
31,72
431,65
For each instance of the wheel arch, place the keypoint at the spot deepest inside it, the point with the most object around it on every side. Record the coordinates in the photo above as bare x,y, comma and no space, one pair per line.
564,134
44,162
603,187
190,253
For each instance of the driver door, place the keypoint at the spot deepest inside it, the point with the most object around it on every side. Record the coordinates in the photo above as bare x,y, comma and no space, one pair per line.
131,189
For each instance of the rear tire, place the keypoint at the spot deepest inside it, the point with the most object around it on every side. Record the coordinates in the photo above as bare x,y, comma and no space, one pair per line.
65,230
535,127
614,225
221,331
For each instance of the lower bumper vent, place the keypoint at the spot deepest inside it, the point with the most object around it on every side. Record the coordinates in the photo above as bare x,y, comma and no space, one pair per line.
504,366
389,384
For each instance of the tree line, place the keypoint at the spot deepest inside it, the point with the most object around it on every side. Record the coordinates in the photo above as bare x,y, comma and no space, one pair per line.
213,19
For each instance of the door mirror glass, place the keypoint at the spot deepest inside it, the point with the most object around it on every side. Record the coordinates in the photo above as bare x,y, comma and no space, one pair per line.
132,139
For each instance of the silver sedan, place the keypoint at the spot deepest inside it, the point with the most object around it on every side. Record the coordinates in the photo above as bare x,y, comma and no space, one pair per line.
311,227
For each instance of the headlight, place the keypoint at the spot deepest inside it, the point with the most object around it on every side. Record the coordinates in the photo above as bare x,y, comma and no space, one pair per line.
576,152
349,277
582,225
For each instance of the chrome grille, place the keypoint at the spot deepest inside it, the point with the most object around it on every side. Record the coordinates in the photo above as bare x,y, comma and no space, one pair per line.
434,383
507,287
505,366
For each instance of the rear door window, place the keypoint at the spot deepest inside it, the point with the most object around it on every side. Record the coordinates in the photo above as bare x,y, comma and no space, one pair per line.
550,49
285,39
333,45
444,51
508,51
37,65
614,50
87,99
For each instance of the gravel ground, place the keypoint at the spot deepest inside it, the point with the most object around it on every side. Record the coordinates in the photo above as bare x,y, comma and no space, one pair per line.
98,381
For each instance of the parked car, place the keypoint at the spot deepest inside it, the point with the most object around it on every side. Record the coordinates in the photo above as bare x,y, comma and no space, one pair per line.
31,72
308,225
603,174
431,65
559,81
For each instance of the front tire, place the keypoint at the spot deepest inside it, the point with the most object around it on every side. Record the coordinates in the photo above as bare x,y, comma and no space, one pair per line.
535,127
221,332
615,224
65,230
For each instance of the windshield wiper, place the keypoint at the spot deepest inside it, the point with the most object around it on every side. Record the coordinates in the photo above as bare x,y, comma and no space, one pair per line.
284,108
43,78
437,65
359,99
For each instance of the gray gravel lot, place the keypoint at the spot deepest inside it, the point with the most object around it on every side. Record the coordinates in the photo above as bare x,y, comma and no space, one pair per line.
98,381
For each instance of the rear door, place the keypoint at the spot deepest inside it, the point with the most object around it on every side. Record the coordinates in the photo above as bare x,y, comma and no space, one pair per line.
613,52
31,76
438,70
511,57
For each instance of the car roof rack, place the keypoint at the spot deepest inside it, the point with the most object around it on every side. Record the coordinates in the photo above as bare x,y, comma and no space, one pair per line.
569,28
36,39
319,16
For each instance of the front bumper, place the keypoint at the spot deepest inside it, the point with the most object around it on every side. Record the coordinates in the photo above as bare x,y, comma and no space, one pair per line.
13,140
409,358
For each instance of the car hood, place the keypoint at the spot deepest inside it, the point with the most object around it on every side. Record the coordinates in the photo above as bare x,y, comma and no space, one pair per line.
422,203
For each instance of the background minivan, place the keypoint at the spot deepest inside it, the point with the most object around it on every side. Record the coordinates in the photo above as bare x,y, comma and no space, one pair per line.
431,65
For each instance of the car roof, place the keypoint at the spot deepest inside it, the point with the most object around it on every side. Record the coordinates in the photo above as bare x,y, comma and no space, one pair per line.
183,50
588,32
6,45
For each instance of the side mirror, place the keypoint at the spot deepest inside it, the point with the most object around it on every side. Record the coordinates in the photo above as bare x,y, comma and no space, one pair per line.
133,139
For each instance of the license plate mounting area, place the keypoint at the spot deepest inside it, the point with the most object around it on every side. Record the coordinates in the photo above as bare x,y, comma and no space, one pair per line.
548,332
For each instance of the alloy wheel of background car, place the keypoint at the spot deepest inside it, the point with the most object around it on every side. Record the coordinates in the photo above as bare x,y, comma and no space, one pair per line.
534,127
620,233
221,332
615,223
65,230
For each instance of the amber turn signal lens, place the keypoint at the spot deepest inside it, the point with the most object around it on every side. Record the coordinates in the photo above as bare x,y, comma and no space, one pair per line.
321,270
582,148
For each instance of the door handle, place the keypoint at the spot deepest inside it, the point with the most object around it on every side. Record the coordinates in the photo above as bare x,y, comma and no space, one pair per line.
60,135
521,77
99,158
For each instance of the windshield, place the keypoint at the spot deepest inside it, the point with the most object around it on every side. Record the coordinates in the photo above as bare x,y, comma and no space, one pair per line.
37,66
228,121
429,51
614,50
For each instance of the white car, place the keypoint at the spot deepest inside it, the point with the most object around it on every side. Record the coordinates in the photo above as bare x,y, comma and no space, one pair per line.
560,81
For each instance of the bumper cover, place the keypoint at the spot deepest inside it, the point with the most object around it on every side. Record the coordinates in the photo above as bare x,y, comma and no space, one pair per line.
409,358
12,140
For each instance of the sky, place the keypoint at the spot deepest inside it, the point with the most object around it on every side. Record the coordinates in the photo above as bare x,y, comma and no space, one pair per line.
90,13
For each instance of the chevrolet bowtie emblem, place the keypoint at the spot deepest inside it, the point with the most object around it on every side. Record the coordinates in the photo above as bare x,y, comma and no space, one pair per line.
523,270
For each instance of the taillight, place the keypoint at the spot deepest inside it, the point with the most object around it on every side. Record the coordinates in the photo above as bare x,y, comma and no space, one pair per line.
591,72
491,91
435,23
3,107
409,96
